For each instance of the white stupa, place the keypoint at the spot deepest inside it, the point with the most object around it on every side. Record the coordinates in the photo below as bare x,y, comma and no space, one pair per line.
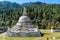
24,27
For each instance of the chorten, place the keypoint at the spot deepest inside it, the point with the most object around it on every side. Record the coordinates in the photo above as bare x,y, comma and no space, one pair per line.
24,27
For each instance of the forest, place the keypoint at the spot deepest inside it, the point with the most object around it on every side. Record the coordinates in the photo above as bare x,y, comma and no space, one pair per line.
41,14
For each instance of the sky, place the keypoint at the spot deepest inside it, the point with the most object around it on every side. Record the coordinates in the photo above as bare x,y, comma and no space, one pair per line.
26,1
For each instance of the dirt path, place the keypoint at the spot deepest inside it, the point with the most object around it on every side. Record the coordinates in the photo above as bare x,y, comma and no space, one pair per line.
3,34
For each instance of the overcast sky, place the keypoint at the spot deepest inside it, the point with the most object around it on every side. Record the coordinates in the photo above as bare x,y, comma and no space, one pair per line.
26,1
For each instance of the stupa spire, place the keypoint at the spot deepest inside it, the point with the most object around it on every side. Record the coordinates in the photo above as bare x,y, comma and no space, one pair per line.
24,12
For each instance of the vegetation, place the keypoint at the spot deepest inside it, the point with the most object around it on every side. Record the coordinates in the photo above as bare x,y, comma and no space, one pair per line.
42,14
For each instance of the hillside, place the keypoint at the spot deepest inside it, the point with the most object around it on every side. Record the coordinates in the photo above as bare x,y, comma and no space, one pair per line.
9,4
42,14
33,4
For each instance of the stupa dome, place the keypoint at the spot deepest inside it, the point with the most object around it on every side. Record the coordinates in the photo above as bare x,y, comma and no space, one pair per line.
24,19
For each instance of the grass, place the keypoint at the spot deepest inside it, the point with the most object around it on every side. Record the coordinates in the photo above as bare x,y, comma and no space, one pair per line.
47,36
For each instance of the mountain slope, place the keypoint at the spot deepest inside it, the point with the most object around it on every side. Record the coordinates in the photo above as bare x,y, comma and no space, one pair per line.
33,4
9,4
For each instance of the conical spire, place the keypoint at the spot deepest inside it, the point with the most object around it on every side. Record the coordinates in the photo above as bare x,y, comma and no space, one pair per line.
24,12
